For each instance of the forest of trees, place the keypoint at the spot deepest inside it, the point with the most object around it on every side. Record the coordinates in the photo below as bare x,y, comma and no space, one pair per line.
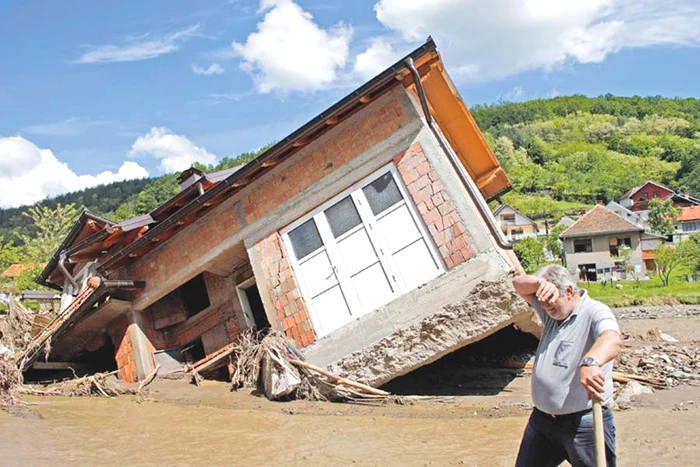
564,154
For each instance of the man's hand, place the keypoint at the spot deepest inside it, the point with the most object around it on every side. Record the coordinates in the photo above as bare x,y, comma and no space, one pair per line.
593,380
547,292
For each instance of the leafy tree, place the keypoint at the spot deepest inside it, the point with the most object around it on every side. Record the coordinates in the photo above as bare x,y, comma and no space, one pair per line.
683,256
51,226
530,252
623,258
9,254
662,216
554,245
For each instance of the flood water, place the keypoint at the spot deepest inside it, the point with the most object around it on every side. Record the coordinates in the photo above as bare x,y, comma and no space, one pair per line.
179,424
90,431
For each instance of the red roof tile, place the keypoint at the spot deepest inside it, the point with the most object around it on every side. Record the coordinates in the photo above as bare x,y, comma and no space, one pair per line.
689,214
599,221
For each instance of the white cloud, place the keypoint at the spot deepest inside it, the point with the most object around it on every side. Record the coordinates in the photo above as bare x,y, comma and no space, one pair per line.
142,48
29,174
213,69
290,52
175,152
376,58
489,40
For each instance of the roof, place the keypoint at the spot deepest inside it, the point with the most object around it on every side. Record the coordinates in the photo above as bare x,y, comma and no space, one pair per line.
630,193
691,213
648,254
599,221
503,206
566,221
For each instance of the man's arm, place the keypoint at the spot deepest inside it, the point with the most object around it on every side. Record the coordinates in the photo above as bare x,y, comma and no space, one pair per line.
604,349
533,288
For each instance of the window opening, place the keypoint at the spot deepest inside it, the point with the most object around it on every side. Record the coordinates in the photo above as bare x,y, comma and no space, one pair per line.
583,246
194,295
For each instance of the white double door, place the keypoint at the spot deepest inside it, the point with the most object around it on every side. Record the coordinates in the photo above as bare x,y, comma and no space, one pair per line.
360,250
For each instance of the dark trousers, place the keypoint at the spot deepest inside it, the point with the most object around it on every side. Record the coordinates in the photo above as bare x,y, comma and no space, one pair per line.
549,440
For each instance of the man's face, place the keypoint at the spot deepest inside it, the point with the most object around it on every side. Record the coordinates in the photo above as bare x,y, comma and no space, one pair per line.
562,307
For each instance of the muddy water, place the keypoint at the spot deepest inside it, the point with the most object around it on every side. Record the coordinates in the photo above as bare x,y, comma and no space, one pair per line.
180,425
123,432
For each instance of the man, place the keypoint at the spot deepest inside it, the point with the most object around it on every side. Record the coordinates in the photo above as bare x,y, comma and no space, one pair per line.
574,363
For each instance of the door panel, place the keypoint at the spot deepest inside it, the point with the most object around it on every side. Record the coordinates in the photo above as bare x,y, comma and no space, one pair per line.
374,286
318,273
415,264
331,310
398,228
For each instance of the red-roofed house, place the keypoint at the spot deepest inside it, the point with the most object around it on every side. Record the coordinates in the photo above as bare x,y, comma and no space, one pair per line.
688,223
637,199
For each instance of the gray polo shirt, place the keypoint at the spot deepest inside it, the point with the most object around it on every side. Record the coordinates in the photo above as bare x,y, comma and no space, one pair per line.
556,388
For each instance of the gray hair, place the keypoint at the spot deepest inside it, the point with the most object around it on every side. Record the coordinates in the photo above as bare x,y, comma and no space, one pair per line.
559,276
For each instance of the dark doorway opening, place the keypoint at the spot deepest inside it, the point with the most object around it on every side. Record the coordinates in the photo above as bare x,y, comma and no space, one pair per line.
194,295
588,272
86,363
485,367
257,308
193,351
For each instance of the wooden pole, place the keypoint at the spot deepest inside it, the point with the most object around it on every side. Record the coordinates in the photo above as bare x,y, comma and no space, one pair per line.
340,380
599,433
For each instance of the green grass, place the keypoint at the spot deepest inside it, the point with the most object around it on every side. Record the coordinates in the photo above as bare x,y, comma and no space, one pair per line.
650,292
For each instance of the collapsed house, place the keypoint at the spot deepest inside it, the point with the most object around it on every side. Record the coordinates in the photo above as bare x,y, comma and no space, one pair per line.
364,236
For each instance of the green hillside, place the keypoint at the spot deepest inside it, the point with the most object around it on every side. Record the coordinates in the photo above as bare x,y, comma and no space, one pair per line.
564,154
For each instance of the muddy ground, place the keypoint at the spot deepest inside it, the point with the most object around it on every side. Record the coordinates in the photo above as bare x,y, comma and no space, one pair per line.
479,423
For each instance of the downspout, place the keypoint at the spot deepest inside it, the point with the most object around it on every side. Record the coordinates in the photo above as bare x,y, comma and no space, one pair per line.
464,177
66,274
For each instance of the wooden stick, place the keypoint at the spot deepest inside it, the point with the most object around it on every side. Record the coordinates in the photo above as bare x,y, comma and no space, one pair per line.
149,378
599,433
340,380
626,378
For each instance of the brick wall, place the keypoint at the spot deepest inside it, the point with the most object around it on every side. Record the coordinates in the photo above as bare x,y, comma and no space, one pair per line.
119,333
435,206
349,143
219,288
202,322
283,290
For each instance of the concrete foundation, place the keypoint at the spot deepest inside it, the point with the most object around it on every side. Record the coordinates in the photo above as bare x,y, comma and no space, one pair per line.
489,307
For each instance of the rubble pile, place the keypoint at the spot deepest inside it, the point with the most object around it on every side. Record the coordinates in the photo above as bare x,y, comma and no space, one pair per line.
671,362
271,364
656,312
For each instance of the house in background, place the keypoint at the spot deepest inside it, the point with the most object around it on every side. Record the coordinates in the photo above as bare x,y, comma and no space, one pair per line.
637,199
637,218
592,244
566,221
687,223
356,235
514,225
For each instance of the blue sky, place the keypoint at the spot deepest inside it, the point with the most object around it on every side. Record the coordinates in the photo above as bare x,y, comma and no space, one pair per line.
93,92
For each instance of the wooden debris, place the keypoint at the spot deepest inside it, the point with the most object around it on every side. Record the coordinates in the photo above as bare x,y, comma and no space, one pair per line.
277,357
626,378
